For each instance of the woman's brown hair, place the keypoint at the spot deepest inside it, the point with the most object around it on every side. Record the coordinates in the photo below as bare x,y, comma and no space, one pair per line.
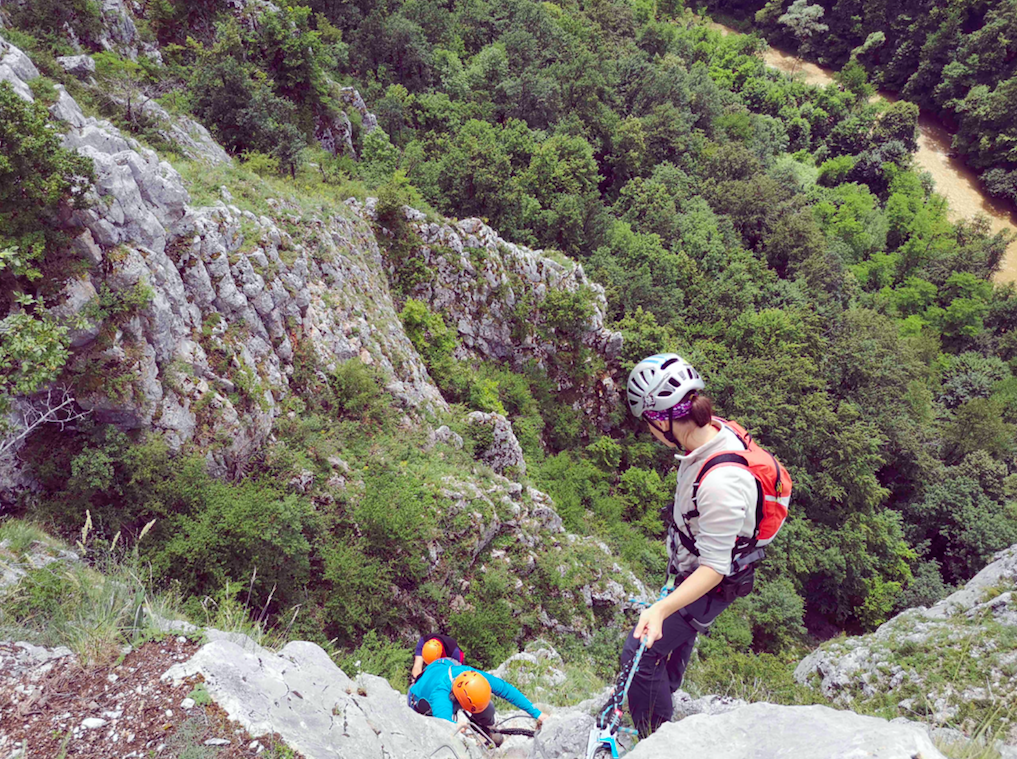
702,410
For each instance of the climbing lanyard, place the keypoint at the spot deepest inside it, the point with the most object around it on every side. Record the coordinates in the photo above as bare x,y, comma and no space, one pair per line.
602,737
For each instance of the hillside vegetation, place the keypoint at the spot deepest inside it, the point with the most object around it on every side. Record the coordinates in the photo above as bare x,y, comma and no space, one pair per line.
772,232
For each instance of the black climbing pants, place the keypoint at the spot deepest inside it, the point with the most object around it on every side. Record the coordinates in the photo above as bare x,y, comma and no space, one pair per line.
485,718
662,668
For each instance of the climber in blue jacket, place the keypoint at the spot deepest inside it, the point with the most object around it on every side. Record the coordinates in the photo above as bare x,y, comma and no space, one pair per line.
447,686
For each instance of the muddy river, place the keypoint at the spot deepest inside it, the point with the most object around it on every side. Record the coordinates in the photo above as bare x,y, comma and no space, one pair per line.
954,180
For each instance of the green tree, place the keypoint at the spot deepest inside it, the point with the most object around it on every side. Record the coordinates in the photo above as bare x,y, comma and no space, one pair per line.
563,178
39,182
238,102
803,21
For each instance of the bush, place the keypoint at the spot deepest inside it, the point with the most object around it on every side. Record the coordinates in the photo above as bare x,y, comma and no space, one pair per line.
38,178
262,164
396,517
240,533
358,392
567,313
47,19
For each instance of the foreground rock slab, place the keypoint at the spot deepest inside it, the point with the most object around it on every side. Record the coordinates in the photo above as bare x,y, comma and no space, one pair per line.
313,705
764,731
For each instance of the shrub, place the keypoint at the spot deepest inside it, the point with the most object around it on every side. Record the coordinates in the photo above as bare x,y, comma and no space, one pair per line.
262,164
358,392
396,517
47,18
235,532
355,589
567,312
39,180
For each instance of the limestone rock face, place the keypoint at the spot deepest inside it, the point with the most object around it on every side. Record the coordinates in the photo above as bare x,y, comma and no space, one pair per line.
318,710
763,731
335,135
905,654
493,291
232,296
118,29
17,69
192,139
351,97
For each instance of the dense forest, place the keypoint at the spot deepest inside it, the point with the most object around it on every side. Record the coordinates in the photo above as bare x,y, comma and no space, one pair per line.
957,59
772,232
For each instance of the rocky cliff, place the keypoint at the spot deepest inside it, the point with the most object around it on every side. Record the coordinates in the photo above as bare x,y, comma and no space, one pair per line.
234,294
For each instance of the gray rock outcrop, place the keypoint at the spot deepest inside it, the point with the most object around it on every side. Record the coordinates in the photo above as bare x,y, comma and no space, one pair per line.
17,69
118,29
501,450
335,134
492,291
192,139
917,656
764,731
352,98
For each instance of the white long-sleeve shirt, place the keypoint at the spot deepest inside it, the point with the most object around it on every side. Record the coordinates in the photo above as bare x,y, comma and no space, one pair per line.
726,504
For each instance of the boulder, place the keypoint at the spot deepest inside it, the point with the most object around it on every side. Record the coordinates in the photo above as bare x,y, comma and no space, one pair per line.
17,69
80,66
764,731
444,435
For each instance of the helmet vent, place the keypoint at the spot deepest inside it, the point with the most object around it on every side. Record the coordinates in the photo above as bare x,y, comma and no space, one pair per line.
668,363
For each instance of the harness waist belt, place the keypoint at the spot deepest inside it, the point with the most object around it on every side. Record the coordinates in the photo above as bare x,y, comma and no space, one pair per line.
694,623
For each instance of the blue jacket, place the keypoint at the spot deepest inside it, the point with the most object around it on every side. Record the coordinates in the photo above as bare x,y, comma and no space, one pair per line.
435,687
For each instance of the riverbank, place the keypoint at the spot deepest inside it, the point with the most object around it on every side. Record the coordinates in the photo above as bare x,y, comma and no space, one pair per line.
954,180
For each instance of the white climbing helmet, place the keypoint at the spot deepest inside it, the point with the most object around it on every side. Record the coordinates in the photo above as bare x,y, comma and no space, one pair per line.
659,382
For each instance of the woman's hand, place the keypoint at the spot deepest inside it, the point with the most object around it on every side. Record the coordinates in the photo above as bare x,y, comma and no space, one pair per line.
650,625
540,721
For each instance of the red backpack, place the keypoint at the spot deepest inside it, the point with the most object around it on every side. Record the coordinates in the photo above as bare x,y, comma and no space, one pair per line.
773,495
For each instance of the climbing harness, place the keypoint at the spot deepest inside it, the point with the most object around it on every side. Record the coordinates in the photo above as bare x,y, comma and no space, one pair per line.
603,741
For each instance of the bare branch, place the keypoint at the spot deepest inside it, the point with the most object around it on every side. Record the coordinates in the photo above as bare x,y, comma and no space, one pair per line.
55,406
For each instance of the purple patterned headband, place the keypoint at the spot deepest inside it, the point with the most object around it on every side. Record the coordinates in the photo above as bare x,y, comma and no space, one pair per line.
675,412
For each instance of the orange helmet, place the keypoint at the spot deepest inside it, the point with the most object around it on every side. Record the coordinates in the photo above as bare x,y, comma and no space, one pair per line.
433,649
472,691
